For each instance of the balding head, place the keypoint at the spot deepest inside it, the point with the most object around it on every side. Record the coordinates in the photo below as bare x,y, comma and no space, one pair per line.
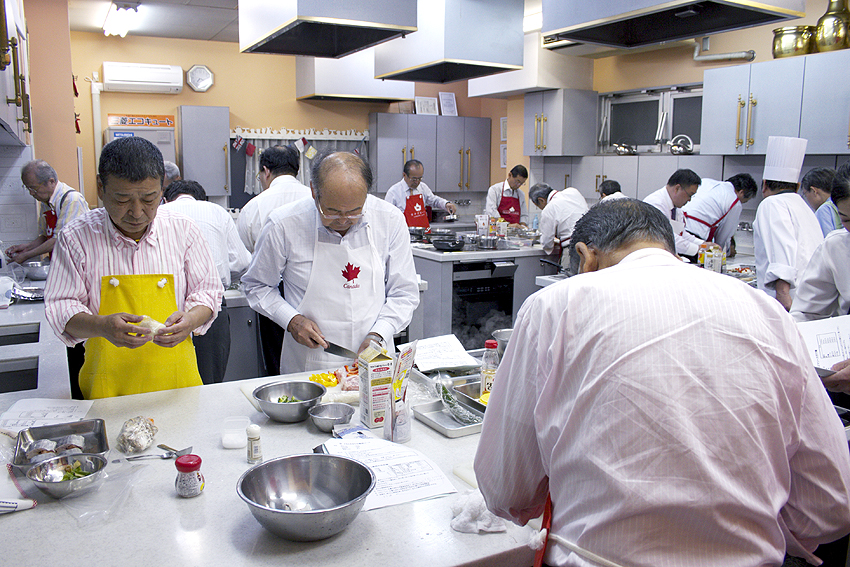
340,183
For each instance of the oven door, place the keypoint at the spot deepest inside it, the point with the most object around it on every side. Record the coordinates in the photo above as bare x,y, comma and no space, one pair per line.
482,300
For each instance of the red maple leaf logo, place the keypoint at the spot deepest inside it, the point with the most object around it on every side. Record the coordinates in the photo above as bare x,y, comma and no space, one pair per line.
350,272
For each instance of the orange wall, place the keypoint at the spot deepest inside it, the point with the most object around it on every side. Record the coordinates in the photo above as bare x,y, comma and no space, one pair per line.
51,92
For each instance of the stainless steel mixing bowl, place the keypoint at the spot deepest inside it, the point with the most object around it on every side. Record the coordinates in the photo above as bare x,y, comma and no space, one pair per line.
36,269
308,393
325,416
47,475
306,497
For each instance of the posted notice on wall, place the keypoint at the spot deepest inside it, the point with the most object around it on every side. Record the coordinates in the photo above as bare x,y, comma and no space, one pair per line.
828,340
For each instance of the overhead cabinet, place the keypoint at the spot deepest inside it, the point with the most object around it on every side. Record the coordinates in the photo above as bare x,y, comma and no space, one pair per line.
799,96
15,116
463,153
560,122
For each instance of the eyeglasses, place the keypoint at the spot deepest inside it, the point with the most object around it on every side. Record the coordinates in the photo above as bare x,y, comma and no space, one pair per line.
356,217
416,179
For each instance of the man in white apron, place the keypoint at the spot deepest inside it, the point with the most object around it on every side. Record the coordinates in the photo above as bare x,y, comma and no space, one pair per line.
126,260
345,262
412,196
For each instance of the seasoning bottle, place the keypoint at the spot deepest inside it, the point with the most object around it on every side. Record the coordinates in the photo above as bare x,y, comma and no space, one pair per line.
489,364
255,451
190,481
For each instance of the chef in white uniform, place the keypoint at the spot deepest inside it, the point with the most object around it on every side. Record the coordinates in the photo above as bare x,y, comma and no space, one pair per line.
713,213
345,262
561,211
670,199
785,232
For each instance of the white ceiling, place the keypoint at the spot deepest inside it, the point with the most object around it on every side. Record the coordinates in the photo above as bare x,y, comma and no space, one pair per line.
214,20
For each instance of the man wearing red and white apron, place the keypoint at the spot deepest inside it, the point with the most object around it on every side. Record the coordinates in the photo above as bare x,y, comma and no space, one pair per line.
712,214
59,204
412,196
505,200
346,265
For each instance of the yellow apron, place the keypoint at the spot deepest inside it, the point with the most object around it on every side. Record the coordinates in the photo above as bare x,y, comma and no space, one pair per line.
112,371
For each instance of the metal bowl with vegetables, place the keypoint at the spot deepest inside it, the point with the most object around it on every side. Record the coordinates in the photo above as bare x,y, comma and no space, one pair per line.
70,475
289,402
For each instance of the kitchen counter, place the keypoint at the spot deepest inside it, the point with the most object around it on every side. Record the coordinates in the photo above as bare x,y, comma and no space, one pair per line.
157,527
428,251
47,358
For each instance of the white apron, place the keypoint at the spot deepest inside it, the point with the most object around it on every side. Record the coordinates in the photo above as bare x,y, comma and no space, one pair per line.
344,295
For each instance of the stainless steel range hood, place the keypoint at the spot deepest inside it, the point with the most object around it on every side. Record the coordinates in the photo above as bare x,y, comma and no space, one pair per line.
637,23
457,39
321,28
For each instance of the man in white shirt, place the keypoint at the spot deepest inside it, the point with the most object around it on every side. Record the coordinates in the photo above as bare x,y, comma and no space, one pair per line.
652,452
278,167
670,199
712,215
58,205
561,211
610,189
345,262
411,196
229,254
505,200
786,231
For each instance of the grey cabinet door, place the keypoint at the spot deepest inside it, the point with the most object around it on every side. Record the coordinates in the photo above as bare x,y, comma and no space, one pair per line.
558,172
587,175
569,127
388,150
825,118
451,159
725,97
532,112
776,88
476,136
421,145
244,361
204,144
653,173
624,170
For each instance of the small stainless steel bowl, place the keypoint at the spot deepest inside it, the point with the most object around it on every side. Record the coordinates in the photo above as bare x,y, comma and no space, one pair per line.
325,416
309,394
502,337
36,269
306,497
488,242
47,475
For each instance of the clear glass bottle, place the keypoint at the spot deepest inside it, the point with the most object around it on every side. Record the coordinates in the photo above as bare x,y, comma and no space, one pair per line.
489,365
255,450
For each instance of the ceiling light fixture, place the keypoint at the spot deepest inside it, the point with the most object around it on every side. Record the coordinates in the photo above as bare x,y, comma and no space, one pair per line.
120,19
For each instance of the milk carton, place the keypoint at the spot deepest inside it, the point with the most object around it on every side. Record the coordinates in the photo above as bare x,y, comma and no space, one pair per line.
376,377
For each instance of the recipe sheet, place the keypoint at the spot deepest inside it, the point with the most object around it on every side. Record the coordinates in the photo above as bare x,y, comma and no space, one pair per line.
35,412
443,353
828,340
401,474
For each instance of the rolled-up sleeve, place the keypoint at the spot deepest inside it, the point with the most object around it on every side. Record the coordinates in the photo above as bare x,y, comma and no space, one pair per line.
65,293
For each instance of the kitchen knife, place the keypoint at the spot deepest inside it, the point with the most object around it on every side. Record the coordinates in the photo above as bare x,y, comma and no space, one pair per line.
339,351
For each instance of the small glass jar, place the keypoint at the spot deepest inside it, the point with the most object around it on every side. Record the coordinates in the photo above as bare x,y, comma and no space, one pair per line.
190,481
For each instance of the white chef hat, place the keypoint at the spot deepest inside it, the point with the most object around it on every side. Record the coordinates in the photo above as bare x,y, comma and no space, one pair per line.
784,158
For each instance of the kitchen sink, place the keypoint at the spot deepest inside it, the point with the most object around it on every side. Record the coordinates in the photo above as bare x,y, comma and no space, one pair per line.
18,374
19,334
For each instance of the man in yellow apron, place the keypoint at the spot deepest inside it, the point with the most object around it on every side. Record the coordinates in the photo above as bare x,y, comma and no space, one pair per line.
125,261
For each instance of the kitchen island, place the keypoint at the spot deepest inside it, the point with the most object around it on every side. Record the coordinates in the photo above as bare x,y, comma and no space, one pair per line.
157,527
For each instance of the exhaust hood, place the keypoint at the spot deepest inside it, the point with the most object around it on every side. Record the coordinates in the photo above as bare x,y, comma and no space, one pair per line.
351,78
457,39
636,23
321,28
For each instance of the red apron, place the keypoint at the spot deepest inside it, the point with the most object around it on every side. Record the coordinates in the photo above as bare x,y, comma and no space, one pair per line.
509,208
712,228
50,219
414,211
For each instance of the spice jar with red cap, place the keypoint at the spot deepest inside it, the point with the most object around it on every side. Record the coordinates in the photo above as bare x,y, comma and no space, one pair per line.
190,481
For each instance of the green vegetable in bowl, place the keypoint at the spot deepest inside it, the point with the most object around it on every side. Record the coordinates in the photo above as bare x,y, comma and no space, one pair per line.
74,471
457,411
287,399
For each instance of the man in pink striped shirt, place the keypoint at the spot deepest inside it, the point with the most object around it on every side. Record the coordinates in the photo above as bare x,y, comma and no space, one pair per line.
132,281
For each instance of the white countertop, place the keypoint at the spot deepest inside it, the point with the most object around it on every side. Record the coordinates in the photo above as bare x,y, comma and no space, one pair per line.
428,252
156,527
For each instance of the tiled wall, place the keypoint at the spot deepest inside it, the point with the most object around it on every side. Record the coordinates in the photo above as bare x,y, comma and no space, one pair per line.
18,211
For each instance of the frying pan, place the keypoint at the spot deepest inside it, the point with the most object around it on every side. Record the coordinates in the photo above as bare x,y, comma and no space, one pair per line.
448,245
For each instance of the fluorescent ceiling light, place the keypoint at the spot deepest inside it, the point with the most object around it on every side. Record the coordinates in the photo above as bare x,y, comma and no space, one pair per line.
120,19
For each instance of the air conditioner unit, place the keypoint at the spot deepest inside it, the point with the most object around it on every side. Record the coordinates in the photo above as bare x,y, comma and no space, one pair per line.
142,78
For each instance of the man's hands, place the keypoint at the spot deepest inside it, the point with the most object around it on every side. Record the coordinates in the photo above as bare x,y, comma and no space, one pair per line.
122,329
369,338
783,294
840,381
18,253
306,332
451,208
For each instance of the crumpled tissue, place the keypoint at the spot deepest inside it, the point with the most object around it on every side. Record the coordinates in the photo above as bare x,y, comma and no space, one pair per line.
471,516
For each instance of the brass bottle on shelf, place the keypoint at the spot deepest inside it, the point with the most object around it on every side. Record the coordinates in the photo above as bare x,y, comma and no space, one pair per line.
832,28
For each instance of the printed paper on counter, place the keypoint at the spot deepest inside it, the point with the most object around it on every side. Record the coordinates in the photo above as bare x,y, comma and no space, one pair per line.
828,340
443,353
35,412
401,474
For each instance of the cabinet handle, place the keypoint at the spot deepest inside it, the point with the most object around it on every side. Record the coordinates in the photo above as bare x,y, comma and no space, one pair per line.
604,177
226,169
753,103
738,141
250,322
468,166
596,189
566,176
460,181
403,156
26,112
412,152
18,99
543,119
536,145
4,39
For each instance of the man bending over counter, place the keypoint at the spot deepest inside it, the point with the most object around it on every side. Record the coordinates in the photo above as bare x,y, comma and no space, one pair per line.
117,264
651,450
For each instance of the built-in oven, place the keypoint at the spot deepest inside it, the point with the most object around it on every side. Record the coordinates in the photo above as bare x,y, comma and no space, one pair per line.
482,300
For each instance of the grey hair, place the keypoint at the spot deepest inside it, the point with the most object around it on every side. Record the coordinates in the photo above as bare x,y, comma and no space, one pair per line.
171,170
539,191
616,223
330,160
41,169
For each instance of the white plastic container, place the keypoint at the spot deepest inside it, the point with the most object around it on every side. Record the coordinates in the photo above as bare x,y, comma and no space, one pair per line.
233,432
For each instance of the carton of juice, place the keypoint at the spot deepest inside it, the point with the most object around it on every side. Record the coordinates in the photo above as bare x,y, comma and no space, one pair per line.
376,377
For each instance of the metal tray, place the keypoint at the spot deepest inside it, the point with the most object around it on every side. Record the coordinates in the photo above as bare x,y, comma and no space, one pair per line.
433,415
92,430
468,395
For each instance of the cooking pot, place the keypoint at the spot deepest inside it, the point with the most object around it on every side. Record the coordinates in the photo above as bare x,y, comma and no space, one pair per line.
488,242
793,40
417,233
470,240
